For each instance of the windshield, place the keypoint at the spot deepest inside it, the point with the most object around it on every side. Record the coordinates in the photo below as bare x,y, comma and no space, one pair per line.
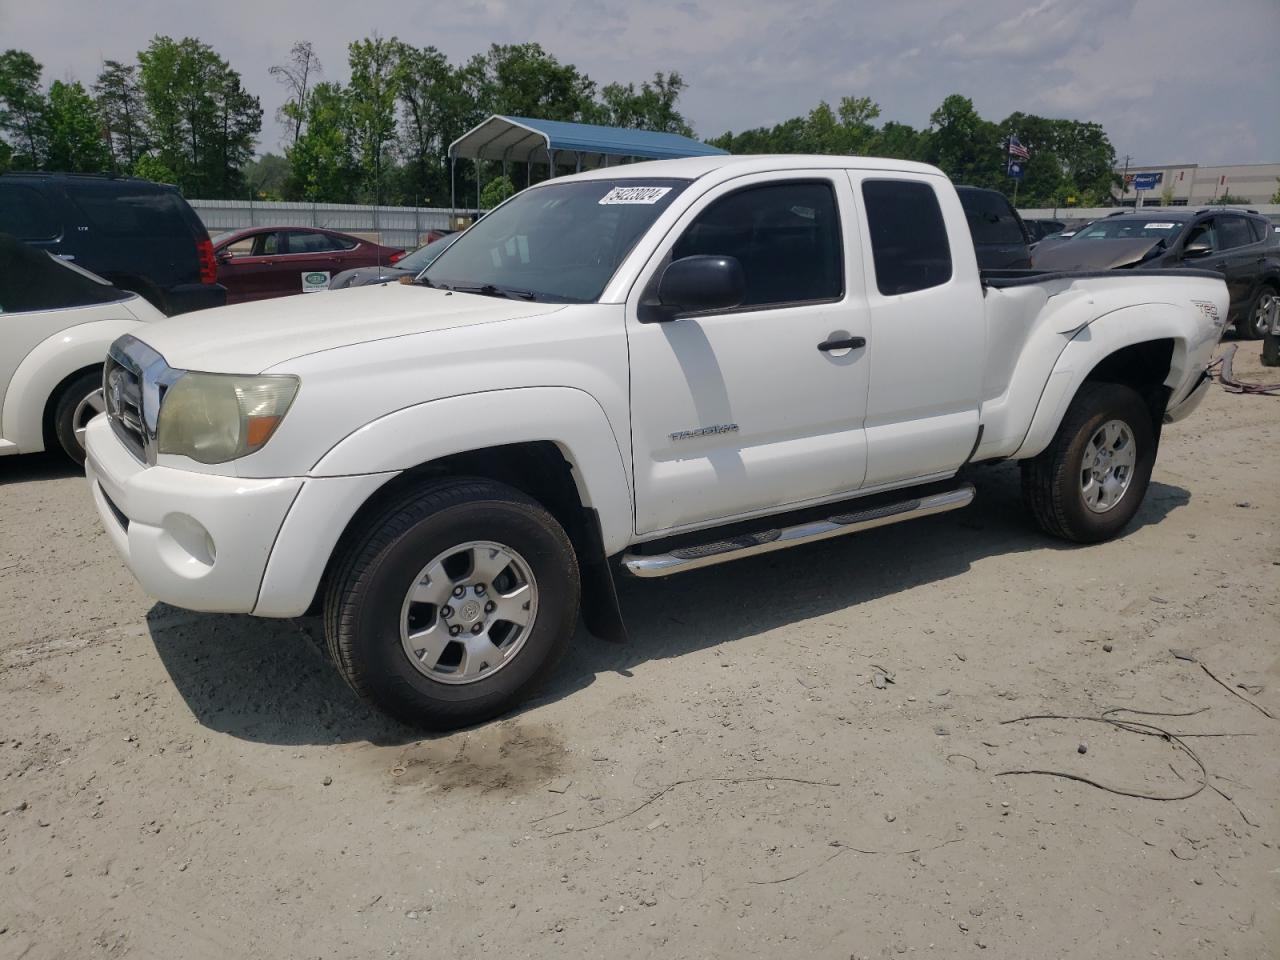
421,258
560,242
1131,228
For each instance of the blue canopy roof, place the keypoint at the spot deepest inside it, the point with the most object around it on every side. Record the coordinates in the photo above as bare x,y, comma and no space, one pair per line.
523,139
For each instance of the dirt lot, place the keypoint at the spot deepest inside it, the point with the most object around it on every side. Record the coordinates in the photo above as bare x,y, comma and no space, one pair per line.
732,783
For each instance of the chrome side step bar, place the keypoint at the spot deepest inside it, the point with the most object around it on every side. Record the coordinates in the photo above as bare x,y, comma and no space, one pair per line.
764,541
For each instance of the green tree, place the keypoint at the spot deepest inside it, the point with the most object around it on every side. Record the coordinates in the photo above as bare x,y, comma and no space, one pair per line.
22,109
373,92
966,147
74,130
523,80
496,191
1275,197
298,75
266,177
436,108
123,113
200,120
150,167
652,107
322,163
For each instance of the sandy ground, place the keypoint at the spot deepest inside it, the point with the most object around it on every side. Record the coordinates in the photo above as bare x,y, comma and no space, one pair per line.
731,784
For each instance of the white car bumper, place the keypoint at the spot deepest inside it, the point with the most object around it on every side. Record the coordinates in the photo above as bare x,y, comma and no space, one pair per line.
193,540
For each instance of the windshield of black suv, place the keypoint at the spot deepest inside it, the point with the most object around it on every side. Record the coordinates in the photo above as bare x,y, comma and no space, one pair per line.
1132,228
560,242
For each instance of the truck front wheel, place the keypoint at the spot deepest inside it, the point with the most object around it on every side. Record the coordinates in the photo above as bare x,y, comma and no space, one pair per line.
1090,481
458,601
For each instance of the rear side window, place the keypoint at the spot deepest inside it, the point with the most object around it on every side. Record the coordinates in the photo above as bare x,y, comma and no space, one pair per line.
991,217
312,243
908,237
26,213
127,210
1233,232
785,235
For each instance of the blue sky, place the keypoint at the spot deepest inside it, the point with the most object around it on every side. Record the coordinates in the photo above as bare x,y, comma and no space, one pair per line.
1176,81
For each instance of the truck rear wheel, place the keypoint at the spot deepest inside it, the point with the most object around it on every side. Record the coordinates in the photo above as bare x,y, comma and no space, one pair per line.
456,604
1090,481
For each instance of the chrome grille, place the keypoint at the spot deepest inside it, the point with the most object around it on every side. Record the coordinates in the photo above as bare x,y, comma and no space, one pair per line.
134,381
122,388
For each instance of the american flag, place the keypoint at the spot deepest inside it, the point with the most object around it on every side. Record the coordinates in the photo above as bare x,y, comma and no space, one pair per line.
1016,149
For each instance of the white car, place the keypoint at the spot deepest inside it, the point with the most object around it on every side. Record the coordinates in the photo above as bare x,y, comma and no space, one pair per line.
654,367
56,323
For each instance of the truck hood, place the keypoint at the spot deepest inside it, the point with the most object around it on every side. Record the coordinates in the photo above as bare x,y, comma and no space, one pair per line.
251,337
1105,254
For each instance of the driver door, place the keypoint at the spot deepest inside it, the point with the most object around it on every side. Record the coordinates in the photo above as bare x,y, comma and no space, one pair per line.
745,410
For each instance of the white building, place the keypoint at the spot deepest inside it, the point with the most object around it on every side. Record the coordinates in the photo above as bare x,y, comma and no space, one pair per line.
1189,184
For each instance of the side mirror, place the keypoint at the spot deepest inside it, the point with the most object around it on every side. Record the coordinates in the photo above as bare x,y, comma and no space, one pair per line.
1193,251
695,284
223,256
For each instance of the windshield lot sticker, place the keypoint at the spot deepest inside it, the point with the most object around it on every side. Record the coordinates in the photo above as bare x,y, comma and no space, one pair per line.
1159,226
645,195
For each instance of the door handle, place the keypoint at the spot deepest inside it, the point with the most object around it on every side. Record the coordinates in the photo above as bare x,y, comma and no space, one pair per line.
849,343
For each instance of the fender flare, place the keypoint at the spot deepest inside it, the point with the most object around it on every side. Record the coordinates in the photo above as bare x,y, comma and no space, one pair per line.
1095,342
570,418
49,363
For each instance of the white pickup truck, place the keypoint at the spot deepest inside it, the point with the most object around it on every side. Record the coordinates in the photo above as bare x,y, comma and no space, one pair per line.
653,367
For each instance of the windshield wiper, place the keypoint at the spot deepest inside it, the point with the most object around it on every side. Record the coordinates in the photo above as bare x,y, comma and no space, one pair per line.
489,290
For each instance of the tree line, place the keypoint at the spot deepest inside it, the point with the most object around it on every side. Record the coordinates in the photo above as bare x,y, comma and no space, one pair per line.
180,114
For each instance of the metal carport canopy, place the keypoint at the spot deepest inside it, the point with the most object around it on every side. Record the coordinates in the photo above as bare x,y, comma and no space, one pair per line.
525,140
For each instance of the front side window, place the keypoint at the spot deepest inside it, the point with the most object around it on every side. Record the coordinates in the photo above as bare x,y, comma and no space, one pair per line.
560,242
785,235
1234,232
909,242
1203,232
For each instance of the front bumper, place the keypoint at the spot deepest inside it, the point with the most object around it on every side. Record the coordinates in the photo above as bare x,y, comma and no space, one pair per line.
1188,404
193,540
186,297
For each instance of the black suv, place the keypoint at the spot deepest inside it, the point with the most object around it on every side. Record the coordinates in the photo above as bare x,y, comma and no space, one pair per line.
999,237
1240,244
142,236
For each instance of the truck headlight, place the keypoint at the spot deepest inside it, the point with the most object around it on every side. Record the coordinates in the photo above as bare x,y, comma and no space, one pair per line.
216,417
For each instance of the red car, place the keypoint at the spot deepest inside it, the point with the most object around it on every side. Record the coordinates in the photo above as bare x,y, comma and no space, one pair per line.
267,262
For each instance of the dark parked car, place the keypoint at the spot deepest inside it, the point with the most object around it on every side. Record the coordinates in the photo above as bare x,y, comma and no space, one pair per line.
1038,229
139,235
999,236
1240,244
410,266
267,262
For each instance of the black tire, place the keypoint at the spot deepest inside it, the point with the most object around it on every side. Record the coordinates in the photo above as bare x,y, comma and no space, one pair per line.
1247,326
363,602
1051,485
69,416
1271,350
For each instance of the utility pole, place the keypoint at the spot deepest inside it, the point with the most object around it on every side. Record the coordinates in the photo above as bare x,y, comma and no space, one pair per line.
1124,180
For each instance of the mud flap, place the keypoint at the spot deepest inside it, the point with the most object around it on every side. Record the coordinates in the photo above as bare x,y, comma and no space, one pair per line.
600,609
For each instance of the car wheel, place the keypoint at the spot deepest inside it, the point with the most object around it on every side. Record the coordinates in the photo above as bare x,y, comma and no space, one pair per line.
1090,481
78,403
1271,350
456,604
1257,319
